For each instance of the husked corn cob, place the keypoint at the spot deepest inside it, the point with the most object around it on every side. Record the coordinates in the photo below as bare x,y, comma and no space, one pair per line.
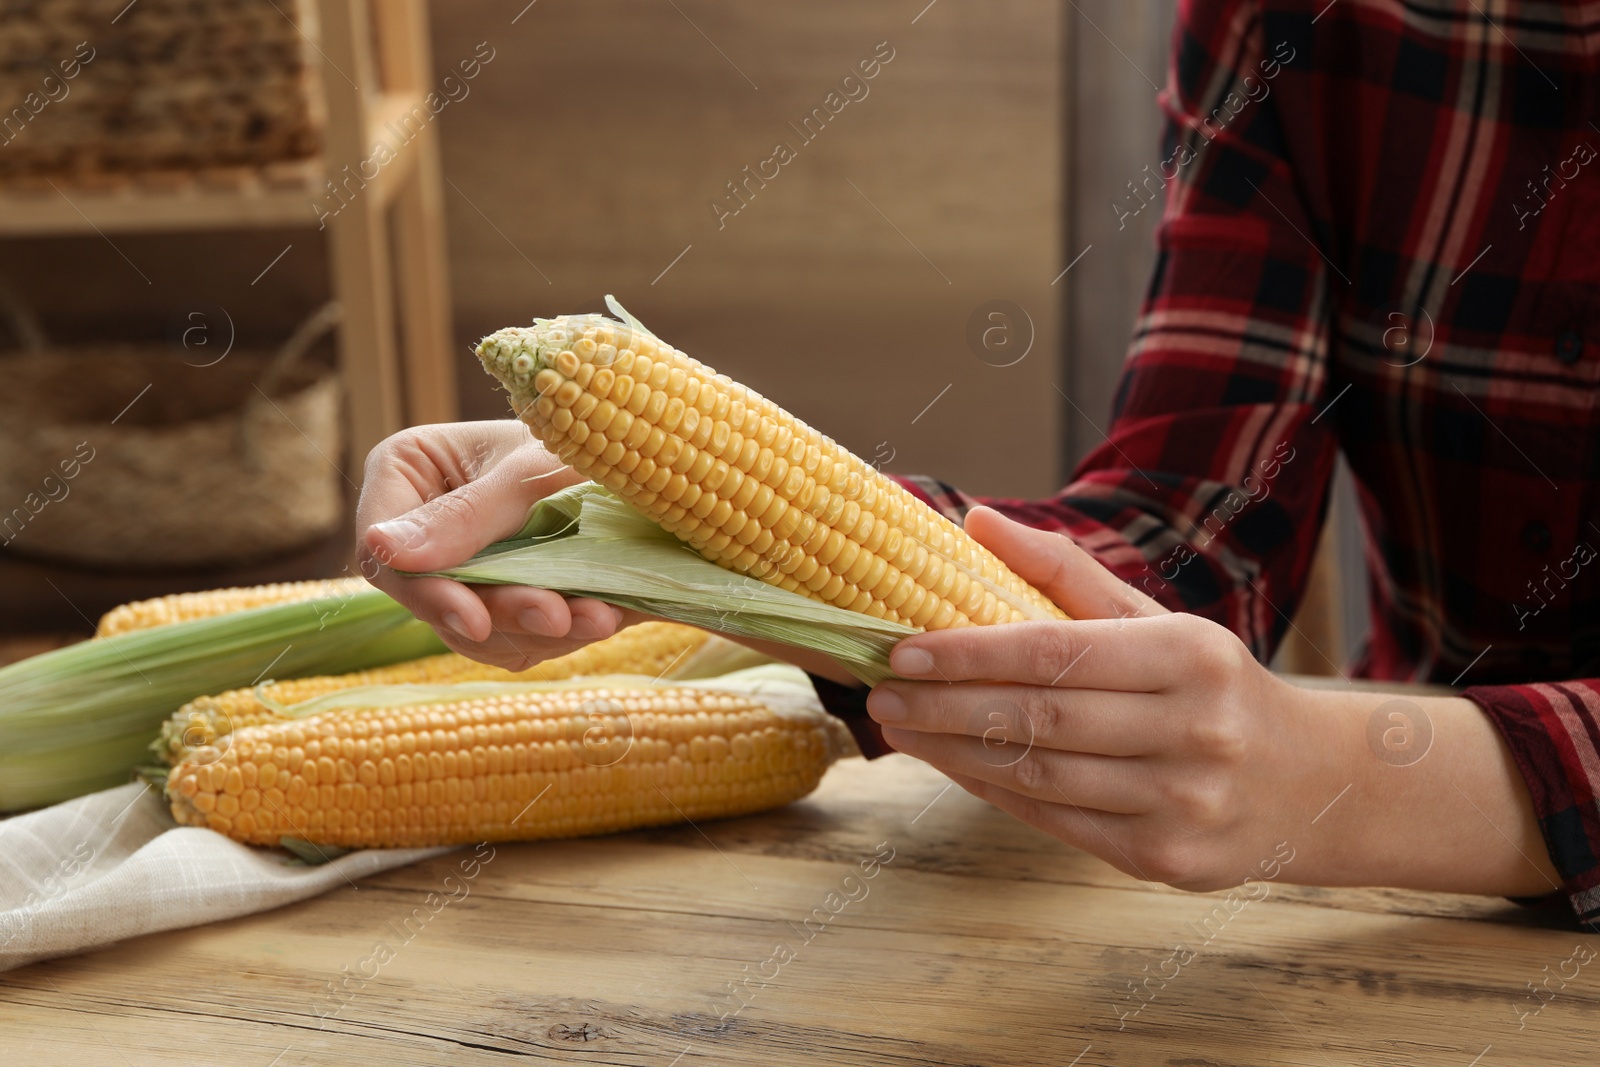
650,648
744,482
181,607
519,766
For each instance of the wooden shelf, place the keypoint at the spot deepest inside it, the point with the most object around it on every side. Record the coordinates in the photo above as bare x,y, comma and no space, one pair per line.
385,234
216,198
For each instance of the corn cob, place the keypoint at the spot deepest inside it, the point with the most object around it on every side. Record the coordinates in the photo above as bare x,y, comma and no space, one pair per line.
650,648
80,718
519,766
181,607
744,482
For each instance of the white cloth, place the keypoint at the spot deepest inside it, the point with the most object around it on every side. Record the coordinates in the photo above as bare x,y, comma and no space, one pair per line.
113,865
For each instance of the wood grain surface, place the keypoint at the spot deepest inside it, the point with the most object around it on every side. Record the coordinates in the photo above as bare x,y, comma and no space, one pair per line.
979,942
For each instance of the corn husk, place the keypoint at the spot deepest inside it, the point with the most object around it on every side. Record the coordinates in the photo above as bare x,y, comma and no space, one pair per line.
585,541
80,718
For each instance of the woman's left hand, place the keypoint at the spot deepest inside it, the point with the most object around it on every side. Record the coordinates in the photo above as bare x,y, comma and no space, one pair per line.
1153,740
1156,742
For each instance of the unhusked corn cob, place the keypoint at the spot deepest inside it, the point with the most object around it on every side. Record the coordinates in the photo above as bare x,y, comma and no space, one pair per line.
81,718
181,607
650,648
744,482
519,766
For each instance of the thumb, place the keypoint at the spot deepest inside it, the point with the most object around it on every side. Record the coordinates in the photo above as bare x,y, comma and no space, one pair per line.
452,527
1053,563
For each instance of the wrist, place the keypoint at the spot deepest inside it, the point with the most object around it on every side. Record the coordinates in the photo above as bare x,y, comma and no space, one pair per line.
1417,792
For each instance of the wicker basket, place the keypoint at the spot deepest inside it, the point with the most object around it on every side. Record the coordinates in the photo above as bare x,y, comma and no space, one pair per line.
167,85
210,465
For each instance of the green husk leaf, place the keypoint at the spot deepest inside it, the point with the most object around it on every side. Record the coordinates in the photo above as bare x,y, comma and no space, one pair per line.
309,855
586,541
615,307
152,774
80,718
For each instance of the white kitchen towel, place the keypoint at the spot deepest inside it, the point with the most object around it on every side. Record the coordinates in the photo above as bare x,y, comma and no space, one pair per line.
113,865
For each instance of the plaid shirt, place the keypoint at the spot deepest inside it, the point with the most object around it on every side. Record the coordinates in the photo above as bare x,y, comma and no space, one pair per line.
1380,235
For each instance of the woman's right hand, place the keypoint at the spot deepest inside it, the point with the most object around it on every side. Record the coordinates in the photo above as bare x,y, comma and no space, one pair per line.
434,496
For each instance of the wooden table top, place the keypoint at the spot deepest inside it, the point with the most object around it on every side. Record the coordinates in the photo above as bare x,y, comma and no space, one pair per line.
889,919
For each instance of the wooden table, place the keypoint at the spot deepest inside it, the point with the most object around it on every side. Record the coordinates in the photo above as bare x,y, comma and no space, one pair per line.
980,942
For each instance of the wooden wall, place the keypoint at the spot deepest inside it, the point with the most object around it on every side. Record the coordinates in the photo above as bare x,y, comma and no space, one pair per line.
588,159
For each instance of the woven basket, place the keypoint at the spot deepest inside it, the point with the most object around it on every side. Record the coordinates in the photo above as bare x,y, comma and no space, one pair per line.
201,469
168,85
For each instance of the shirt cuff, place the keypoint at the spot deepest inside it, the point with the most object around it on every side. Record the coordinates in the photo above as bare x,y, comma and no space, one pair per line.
1551,729
849,703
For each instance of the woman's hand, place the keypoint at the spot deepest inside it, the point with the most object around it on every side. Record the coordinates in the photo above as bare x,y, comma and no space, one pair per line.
434,496
1158,743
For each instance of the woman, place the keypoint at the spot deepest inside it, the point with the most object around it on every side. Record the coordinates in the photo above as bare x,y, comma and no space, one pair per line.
1379,236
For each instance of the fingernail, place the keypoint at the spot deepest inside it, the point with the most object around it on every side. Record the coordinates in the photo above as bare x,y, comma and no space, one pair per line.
535,621
886,705
402,533
457,625
909,662
584,629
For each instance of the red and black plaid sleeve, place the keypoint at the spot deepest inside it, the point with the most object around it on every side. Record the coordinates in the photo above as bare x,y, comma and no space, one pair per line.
1553,734
1378,236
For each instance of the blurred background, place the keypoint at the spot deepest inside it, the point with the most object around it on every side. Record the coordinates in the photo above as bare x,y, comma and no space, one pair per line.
238,247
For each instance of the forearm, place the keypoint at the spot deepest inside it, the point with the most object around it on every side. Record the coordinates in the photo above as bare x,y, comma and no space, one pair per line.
1434,800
